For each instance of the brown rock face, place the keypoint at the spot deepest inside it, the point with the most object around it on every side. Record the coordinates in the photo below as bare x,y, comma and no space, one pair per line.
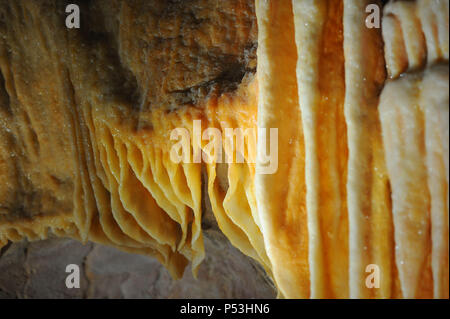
131,55
143,130
128,59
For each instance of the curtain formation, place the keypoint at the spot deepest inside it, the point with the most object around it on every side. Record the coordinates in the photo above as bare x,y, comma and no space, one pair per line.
362,178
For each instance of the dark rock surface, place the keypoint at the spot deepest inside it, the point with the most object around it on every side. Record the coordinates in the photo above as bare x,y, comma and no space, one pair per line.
37,270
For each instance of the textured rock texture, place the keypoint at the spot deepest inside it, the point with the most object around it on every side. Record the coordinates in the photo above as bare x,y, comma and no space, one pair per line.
128,60
37,270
